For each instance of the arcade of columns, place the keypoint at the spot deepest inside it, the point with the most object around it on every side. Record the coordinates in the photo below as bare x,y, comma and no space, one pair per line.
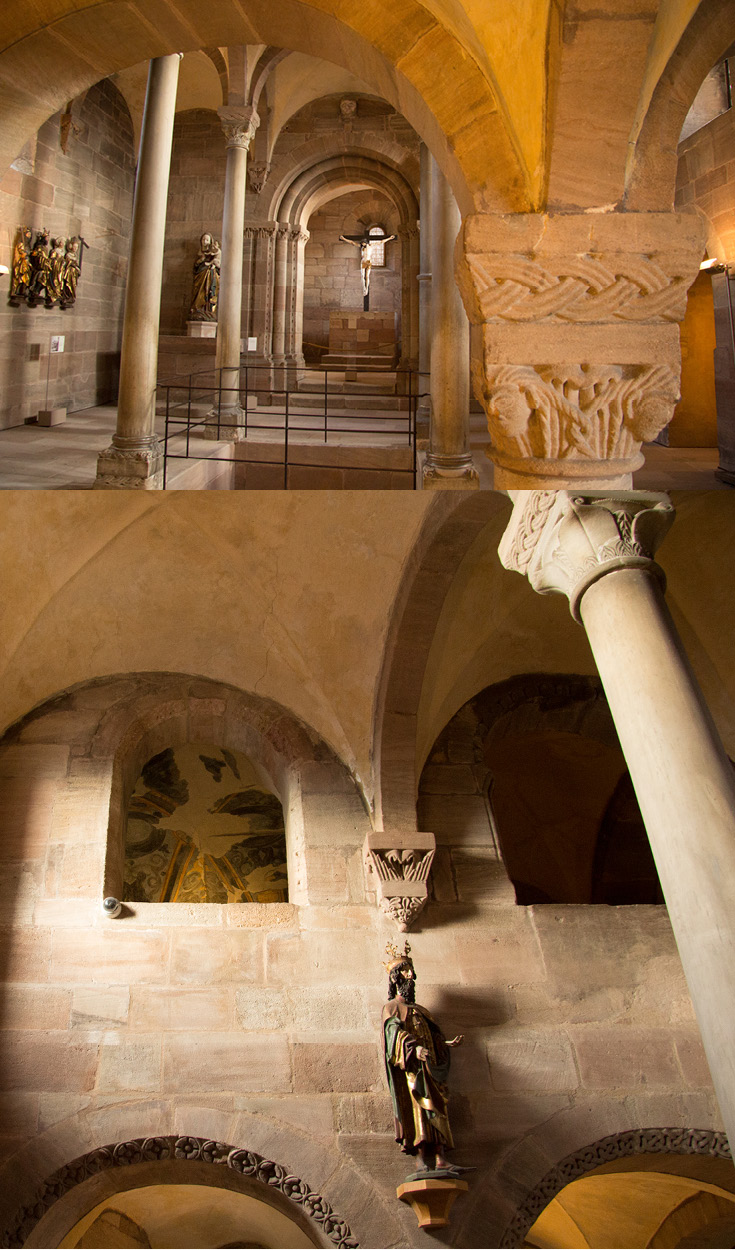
576,353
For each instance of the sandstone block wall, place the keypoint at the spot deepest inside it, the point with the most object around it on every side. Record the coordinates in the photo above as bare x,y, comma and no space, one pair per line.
706,178
87,191
259,1025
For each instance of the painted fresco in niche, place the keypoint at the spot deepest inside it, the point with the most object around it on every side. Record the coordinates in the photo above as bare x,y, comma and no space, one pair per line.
201,828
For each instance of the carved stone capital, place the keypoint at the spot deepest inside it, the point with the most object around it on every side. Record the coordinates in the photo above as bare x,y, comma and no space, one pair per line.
567,421
578,356
397,867
300,235
239,124
564,542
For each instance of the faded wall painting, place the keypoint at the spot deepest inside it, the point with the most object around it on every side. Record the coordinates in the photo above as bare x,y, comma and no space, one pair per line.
201,828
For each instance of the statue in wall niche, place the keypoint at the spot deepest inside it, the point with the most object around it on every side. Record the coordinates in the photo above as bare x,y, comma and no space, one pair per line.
206,280
20,279
417,1066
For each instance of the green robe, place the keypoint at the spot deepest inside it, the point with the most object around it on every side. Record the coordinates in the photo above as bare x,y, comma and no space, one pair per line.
417,1087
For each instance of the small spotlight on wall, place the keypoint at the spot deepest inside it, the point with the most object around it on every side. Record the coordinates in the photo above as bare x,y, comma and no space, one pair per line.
111,907
713,265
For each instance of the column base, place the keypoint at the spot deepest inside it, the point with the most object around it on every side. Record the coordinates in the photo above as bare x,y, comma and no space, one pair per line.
135,465
535,474
725,475
449,473
226,426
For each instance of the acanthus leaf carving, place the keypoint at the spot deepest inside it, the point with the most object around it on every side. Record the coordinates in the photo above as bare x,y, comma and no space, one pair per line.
563,541
570,411
398,867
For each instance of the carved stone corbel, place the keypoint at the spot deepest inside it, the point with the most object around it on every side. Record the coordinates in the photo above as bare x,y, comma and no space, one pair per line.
397,867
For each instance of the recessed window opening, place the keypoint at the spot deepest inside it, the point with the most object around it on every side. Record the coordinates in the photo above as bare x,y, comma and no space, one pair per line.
202,827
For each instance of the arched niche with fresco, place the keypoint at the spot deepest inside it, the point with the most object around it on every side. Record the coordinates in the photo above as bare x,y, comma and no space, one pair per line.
202,826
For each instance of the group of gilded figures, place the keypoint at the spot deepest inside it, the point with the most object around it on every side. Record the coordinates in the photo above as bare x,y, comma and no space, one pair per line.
46,273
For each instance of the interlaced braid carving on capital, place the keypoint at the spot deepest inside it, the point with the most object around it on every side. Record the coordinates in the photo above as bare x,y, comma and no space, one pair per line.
579,289
152,1149
680,1141
540,503
600,412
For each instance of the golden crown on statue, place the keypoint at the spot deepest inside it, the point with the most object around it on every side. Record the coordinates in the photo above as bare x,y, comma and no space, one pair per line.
395,957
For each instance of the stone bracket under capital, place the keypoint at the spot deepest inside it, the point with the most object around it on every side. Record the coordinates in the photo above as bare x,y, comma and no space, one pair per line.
397,867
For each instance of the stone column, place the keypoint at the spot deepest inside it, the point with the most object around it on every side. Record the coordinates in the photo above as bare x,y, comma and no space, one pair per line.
225,420
577,357
280,289
449,459
295,305
135,459
598,550
424,408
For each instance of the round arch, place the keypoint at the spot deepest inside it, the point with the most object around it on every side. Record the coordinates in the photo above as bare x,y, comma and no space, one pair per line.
613,1153
450,527
76,1187
652,161
385,51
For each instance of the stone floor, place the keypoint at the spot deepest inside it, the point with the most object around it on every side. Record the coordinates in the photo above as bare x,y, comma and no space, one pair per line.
64,457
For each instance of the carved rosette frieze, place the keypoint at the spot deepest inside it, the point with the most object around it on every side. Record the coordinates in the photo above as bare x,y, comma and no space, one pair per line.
645,1141
397,867
564,412
196,1149
564,542
239,125
578,359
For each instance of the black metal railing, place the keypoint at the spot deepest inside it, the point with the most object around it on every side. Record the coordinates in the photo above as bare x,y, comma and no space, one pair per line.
199,407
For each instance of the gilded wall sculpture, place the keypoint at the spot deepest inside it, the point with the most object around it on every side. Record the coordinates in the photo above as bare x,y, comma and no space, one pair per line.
46,272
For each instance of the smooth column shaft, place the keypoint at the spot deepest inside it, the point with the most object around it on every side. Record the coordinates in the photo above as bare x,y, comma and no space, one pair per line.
139,354
279,295
449,461
229,327
686,792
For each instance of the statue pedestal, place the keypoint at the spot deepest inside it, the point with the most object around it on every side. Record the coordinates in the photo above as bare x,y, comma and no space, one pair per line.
201,329
432,1199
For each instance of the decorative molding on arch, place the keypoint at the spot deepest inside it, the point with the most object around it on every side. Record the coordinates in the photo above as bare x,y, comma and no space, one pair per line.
195,1149
647,1141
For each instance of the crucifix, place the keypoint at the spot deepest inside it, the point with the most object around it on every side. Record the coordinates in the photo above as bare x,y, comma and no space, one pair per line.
365,243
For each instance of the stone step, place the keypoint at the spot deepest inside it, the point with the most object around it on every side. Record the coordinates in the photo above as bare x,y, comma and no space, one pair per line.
348,388
345,360
347,402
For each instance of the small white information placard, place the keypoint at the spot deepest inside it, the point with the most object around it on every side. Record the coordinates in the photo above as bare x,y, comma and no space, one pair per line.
57,342
252,345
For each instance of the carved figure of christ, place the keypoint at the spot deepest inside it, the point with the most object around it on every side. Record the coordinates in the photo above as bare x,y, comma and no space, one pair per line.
366,263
